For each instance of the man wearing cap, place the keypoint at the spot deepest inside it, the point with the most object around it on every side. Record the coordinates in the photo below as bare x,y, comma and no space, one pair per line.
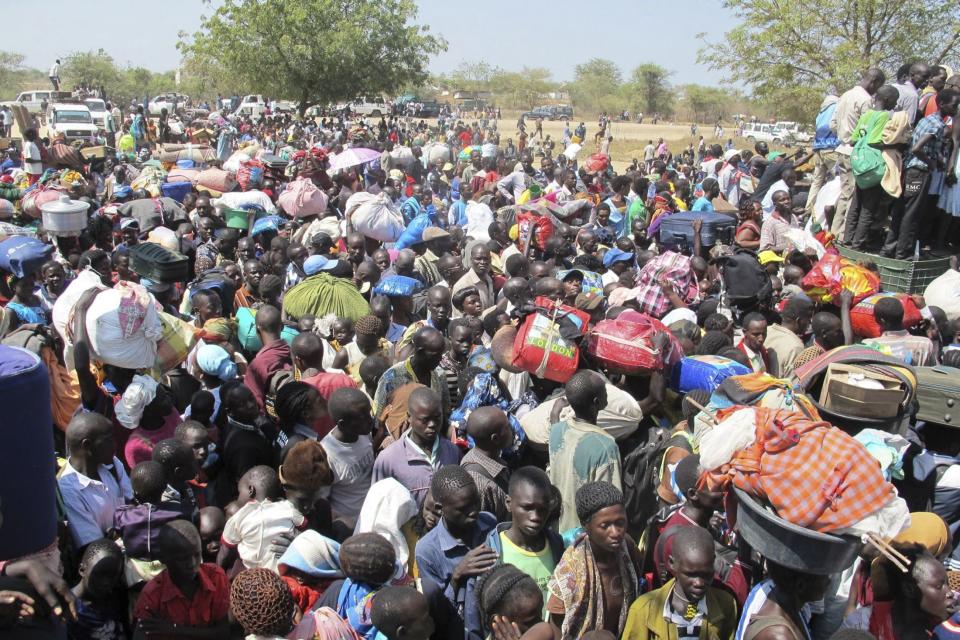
478,276
130,232
426,262
317,263
616,262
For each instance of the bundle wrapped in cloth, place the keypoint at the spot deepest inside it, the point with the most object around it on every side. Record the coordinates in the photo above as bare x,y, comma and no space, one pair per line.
321,294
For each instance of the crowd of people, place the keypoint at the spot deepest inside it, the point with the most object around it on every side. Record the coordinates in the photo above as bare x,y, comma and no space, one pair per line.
352,439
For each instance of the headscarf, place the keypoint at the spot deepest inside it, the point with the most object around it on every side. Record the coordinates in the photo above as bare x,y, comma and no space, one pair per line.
215,361
141,392
928,529
386,509
485,392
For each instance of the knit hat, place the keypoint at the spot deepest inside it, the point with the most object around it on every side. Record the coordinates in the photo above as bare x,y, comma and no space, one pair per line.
594,496
262,603
214,360
313,554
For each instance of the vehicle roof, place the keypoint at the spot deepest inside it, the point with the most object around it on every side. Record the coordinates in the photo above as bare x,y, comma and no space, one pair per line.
68,105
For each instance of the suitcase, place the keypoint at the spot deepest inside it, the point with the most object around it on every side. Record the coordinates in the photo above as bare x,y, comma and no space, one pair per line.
677,229
150,260
938,395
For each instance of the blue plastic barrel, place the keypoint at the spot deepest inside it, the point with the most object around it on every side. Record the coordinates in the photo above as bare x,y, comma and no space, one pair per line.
28,503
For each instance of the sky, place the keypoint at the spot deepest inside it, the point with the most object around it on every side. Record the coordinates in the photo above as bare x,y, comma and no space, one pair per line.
556,34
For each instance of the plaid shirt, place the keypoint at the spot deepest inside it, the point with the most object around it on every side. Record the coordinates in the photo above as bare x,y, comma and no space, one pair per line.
931,125
813,474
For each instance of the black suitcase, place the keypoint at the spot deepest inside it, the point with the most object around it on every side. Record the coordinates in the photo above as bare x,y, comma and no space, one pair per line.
677,229
938,395
150,260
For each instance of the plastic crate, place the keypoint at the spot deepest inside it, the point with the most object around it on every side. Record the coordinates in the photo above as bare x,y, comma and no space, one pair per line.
901,276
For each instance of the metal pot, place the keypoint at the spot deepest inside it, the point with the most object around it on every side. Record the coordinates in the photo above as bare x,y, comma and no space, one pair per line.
64,217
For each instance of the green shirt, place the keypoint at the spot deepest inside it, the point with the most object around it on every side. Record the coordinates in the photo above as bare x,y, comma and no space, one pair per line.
873,122
539,565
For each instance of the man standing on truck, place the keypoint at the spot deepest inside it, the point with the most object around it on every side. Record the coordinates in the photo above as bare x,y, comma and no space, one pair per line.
55,75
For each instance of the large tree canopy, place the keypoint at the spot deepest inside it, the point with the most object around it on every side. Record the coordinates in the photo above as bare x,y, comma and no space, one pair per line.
827,43
650,89
317,51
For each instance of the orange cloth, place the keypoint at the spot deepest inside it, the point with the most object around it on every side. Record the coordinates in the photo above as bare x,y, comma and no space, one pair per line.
64,389
813,474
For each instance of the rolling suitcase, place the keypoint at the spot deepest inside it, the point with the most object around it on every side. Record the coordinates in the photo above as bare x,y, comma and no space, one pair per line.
938,395
677,229
150,260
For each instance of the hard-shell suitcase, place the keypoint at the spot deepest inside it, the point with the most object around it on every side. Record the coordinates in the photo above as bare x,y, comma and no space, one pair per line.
938,395
677,229
150,260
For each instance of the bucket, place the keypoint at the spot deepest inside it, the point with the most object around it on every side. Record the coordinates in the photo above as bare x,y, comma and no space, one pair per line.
176,190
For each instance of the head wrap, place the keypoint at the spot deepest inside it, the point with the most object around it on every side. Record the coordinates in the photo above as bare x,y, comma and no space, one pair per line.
141,392
314,554
386,509
215,361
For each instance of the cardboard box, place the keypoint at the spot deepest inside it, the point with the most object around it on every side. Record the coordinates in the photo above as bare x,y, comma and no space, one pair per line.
840,394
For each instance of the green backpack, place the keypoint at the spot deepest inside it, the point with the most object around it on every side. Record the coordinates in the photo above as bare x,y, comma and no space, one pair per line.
866,162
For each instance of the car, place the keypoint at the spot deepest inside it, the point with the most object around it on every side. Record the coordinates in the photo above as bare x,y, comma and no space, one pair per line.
793,130
286,106
367,106
73,120
546,112
171,101
429,109
98,110
564,112
36,100
759,132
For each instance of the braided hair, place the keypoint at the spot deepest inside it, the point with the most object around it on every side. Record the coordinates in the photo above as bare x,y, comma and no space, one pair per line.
369,325
594,496
262,603
368,558
501,586
293,401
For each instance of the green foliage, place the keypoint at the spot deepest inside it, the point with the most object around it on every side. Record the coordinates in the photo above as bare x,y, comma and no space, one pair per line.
706,104
649,89
825,45
597,86
522,89
316,51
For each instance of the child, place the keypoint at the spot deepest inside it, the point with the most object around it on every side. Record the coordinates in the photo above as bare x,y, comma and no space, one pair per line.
189,598
349,453
453,554
204,408
98,616
309,566
342,333
249,532
212,521
525,541
304,474
510,600
201,441
139,524
179,467
371,370
490,431
402,613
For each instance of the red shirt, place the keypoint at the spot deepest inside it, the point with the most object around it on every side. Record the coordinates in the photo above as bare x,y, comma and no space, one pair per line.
162,600
271,358
466,137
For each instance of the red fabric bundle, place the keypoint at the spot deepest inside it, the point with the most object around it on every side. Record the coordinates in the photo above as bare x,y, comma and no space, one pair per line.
865,325
539,347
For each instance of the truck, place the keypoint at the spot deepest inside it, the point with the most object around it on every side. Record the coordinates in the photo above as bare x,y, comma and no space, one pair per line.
73,120
36,99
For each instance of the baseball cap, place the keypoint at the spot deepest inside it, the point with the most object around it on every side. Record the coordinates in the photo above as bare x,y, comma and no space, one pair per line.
317,263
768,256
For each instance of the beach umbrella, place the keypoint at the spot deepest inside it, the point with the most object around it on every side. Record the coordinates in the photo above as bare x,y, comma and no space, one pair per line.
352,157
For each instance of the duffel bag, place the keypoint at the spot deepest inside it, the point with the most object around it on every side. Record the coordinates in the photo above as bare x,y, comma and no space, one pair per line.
183,175
534,229
124,326
546,344
175,343
625,345
22,255
865,324
704,372
250,174
40,195
149,260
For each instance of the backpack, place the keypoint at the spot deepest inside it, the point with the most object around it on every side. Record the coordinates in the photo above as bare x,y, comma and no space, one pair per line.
866,162
825,137
277,379
216,279
640,472
744,279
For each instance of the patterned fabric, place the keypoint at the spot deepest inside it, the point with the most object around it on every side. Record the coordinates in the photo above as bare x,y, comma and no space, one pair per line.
354,605
813,474
484,391
576,589
207,256
934,126
675,268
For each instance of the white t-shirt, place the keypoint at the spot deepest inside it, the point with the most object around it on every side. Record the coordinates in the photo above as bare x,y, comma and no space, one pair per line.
352,467
255,526
31,158
55,70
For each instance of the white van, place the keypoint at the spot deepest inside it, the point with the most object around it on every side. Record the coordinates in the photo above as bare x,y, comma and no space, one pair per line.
369,106
759,132
98,111
34,100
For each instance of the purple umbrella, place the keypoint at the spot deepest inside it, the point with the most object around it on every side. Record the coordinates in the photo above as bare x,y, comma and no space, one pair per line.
352,157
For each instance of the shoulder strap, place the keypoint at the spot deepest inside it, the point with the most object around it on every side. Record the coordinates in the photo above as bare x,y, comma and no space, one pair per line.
758,624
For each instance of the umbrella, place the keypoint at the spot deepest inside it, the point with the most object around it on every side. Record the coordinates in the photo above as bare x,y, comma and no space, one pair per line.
352,157
466,151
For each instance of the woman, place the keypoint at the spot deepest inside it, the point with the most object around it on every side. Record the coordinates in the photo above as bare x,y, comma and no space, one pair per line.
390,510
751,217
27,306
598,577
618,203
468,303
512,605
298,406
921,599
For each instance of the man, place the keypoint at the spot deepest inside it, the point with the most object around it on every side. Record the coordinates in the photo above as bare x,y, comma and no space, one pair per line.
686,606
711,189
215,250
439,308
829,332
428,251
648,155
422,450
249,294
476,159
784,341
356,250
55,75
451,269
273,356
788,179
909,89
914,350
579,450
93,482
515,183
923,158
454,361
850,107
773,233
422,367
478,276
350,454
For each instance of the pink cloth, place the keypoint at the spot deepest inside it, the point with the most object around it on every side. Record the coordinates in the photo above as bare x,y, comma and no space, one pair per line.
140,445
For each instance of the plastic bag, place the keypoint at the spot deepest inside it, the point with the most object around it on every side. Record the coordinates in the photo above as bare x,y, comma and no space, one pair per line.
375,216
832,274
175,343
944,292
124,326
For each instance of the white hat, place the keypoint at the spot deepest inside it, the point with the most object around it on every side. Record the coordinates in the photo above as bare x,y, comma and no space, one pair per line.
730,153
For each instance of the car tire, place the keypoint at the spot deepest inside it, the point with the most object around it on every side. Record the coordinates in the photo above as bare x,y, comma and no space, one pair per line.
751,139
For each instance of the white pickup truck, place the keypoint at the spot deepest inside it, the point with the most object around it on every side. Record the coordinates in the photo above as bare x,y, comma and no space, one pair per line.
73,120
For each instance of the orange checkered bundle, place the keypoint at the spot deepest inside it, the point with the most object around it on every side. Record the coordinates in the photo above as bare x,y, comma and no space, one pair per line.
813,474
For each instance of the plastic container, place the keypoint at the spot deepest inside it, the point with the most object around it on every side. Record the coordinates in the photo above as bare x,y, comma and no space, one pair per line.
176,190
64,217
236,218
26,456
902,276
790,545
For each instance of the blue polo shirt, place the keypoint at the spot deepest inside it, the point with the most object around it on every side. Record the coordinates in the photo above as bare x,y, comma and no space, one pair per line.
438,554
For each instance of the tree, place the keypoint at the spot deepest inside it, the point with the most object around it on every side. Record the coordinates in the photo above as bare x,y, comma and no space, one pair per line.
522,89
596,85
472,76
317,51
650,90
827,44
706,104
92,69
